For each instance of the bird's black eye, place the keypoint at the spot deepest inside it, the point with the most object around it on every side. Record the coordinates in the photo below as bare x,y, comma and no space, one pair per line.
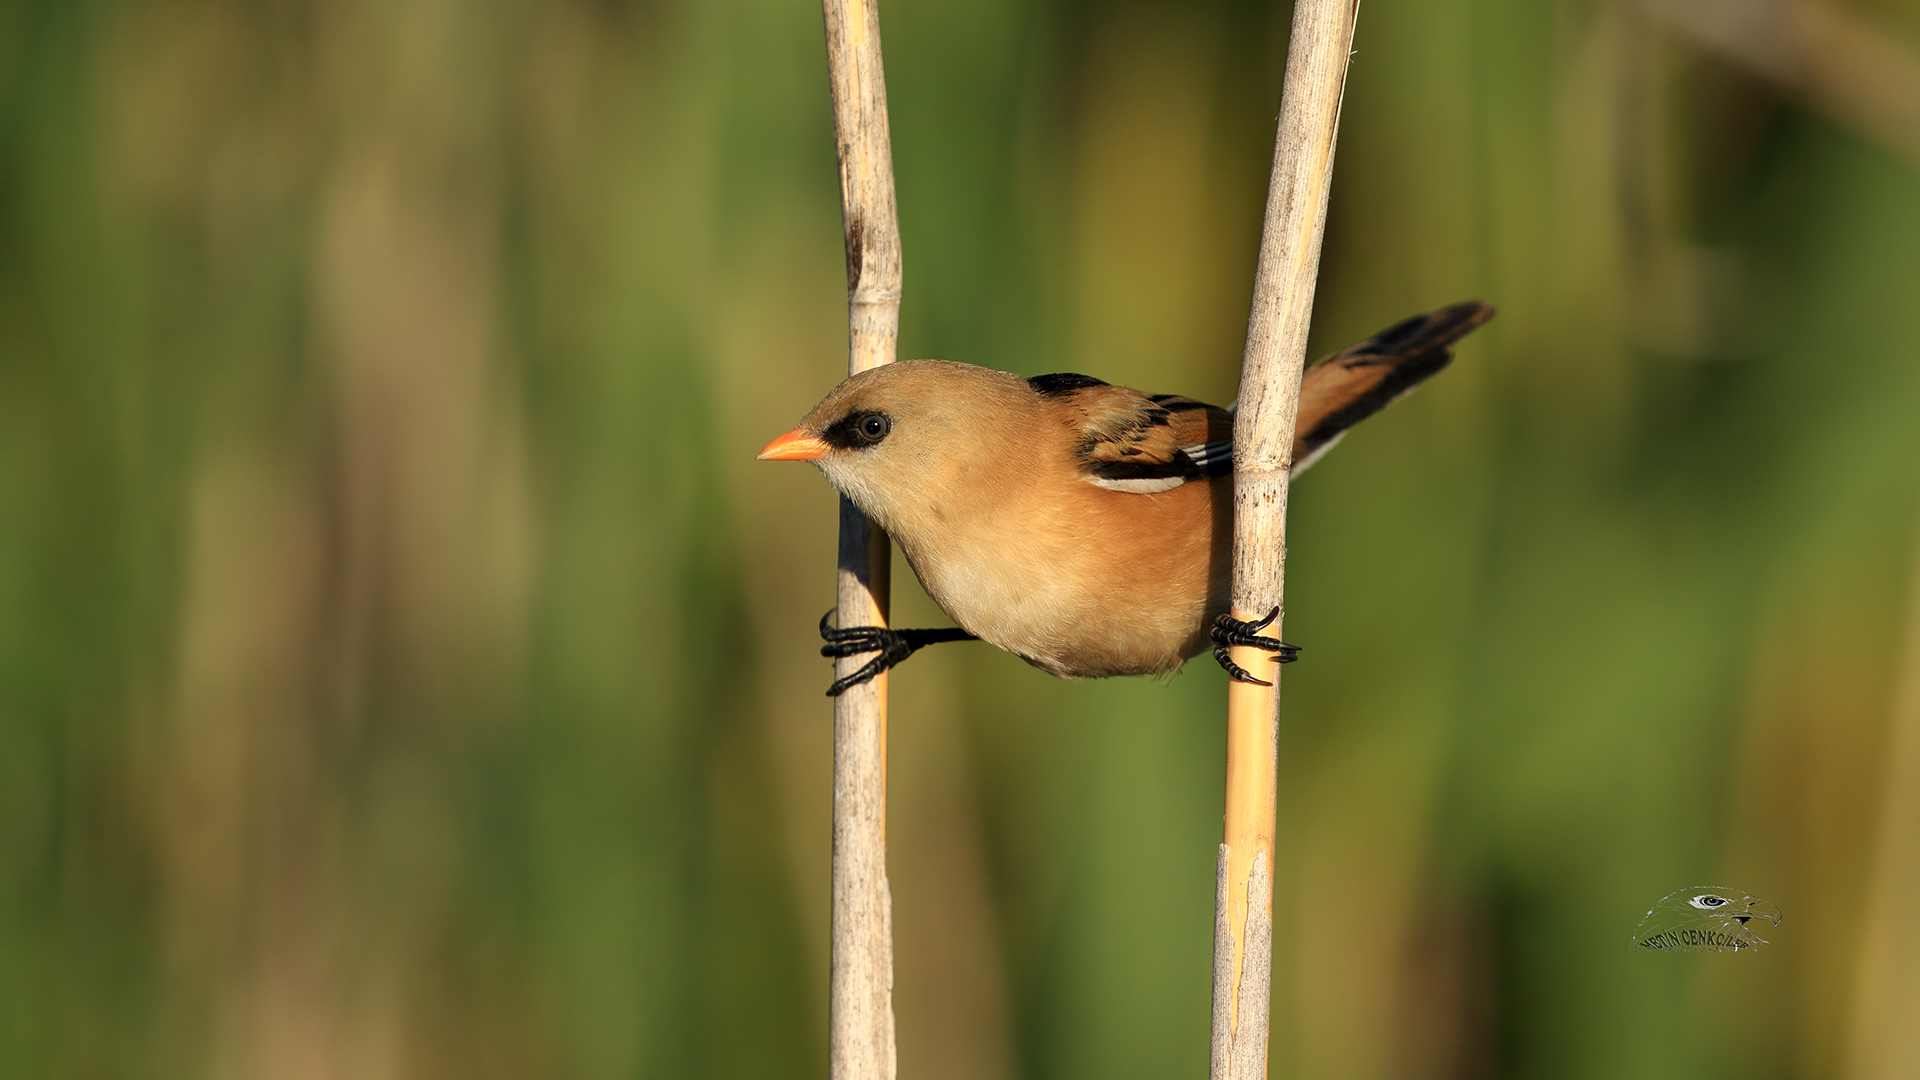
1708,901
858,431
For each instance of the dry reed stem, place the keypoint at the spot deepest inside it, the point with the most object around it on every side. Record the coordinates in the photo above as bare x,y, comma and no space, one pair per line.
1296,216
860,1043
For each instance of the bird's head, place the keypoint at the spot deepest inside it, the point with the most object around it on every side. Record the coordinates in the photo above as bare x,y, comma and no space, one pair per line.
904,438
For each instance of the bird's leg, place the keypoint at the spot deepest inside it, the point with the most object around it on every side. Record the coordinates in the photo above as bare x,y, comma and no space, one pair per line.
892,645
1228,631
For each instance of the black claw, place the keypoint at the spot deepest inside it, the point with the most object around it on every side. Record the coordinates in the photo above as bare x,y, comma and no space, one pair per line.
866,673
1228,631
892,645
1235,671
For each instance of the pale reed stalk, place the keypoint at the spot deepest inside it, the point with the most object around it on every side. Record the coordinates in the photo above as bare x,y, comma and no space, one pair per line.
1270,370
860,1044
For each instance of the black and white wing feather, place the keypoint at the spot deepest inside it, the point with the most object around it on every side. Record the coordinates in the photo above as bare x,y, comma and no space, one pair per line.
1139,443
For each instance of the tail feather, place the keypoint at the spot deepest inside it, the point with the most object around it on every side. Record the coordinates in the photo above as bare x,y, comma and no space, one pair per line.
1362,379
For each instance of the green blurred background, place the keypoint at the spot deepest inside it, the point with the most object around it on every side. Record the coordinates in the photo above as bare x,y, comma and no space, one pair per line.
406,670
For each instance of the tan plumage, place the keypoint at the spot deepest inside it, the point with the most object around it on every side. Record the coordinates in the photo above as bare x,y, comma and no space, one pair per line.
1081,526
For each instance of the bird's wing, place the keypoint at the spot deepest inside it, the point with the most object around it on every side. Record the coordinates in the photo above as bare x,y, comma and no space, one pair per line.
1140,443
1362,379
1146,443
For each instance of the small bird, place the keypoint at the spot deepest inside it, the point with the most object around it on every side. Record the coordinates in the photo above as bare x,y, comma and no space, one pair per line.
1085,528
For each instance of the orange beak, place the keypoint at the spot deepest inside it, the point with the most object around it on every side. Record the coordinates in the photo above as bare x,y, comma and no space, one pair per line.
796,445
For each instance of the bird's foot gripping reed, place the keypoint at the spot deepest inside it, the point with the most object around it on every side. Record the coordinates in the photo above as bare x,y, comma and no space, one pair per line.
1228,631
892,645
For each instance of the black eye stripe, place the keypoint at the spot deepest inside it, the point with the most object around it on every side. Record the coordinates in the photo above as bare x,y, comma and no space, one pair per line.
858,431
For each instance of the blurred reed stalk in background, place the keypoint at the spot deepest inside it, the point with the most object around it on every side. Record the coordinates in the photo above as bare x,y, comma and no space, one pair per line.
1842,63
1884,1039
352,603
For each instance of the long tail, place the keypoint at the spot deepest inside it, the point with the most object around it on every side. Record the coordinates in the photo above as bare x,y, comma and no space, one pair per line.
1362,379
